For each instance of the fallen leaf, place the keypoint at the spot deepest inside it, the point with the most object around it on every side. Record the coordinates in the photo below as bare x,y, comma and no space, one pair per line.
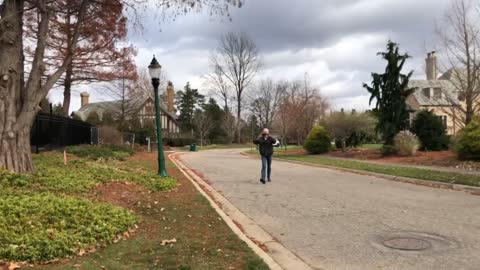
162,209
165,242
13,266
189,216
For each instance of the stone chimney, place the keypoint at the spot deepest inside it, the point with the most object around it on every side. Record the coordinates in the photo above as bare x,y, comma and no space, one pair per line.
431,68
84,96
170,97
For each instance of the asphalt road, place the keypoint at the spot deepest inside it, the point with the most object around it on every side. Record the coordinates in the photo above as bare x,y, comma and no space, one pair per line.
338,220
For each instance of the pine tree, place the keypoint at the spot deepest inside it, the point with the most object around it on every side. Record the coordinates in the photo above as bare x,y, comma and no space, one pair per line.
390,90
187,101
217,115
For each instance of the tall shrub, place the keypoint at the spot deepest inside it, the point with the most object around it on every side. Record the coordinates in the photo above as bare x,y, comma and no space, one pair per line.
349,129
406,143
431,131
468,146
318,141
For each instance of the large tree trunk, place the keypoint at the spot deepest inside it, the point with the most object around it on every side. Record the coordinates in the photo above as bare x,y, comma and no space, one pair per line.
469,112
67,90
69,72
239,132
14,133
16,152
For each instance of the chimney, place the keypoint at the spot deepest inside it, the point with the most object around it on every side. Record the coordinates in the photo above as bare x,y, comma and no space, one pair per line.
431,69
84,96
170,97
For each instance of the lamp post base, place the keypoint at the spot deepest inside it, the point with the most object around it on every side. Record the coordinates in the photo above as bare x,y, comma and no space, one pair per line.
162,173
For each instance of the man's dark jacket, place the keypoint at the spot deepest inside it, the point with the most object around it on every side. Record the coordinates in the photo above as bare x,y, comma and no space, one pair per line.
265,145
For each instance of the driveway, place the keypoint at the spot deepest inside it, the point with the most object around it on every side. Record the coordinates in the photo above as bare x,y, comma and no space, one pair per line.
338,220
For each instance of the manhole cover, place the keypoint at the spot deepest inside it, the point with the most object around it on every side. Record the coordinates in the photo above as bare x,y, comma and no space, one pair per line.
407,243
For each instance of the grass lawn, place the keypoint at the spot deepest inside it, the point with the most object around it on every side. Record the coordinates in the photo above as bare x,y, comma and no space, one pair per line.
225,146
416,173
203,240
372,146
98,214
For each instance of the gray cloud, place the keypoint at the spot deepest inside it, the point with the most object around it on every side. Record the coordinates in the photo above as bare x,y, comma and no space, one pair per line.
334,41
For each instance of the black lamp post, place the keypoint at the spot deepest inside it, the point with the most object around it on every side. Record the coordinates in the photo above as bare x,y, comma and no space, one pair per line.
155,70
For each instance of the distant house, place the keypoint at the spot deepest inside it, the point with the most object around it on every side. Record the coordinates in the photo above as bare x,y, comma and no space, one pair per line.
437,94
143,109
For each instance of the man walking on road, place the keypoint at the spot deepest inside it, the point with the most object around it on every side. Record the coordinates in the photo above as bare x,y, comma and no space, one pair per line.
265,145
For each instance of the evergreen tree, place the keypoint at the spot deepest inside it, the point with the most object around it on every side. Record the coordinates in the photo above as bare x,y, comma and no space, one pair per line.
57,109
431,131
215,113
390,90
187,101
93,118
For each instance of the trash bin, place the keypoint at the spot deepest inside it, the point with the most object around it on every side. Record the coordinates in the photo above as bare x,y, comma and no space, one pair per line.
193,147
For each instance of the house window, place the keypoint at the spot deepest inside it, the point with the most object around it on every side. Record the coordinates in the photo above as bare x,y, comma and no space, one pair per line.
444,120
426,92
437,93
149,108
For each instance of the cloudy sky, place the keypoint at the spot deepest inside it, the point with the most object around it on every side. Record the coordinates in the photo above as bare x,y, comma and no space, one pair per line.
334,41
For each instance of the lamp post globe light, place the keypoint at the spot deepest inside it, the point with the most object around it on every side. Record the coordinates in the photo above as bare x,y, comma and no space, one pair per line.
155,70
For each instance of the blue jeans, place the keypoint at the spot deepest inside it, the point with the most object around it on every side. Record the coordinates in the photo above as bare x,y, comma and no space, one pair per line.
266,167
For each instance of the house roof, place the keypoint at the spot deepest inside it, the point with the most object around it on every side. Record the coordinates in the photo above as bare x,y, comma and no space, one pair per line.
448,98
115,106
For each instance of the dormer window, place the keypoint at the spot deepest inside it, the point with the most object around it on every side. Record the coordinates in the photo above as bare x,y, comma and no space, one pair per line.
426,92
437,93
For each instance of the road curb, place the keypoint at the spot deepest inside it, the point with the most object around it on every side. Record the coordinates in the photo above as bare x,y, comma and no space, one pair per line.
274,254
456,187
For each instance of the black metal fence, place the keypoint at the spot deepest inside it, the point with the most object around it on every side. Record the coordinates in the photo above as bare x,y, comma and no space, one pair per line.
56,131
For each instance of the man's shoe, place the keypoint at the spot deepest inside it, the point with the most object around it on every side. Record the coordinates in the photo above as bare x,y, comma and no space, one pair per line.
269,180
263,181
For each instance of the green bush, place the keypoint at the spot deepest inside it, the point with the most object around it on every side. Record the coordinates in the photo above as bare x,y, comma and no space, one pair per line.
406,143
430,130
96,152
468,145
80,176
41,227
318,141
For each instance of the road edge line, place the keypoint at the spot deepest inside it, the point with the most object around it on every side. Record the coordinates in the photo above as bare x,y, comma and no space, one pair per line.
239,223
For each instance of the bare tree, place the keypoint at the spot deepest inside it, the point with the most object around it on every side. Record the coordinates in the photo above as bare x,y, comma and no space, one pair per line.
461,65
299,110
126,101
204,124
237,59
229,124
265,101
144,88
219,86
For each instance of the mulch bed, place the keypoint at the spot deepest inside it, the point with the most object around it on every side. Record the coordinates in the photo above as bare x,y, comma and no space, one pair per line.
438,158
